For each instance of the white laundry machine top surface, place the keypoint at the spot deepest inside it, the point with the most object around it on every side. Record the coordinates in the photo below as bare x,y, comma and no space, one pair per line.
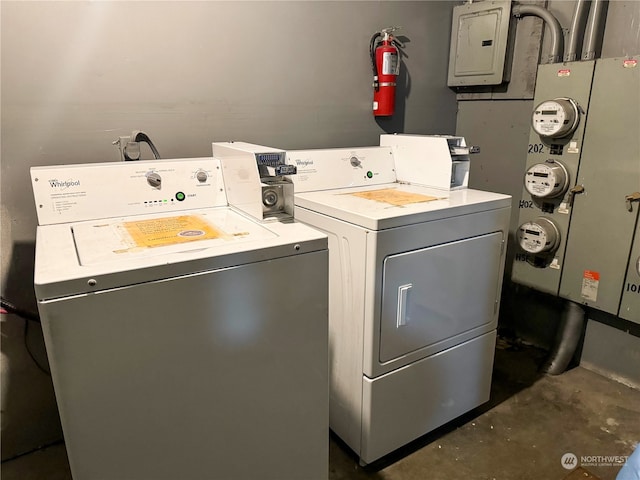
133,238
391,205
114,224
359,185
96,255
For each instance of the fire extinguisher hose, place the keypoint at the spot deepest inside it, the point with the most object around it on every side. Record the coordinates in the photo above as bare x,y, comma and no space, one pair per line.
372,54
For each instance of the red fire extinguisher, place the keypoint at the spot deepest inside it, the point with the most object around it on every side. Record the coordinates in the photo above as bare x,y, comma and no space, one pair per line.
385,60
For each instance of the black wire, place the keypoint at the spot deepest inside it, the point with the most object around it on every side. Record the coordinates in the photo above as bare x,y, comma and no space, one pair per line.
27,317
372,52
141,136
26,344
11,308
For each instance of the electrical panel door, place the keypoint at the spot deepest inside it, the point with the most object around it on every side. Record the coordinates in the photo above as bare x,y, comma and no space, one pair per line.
553,157
479,38
604,216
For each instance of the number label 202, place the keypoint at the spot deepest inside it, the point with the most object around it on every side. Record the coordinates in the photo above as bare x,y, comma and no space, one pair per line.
536,148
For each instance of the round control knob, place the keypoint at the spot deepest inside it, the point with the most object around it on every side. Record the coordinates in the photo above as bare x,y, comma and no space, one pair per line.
546,180
355,161
202,176
538,236
154,179
555,118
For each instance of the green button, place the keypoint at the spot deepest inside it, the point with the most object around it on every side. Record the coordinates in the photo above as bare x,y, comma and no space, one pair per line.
180,196
369,174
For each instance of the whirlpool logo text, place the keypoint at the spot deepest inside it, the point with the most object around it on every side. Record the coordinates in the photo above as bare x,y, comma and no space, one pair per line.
63,184
304,163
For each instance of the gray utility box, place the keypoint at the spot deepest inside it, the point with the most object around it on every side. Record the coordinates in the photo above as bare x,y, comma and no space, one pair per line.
601,260
479,38
556,84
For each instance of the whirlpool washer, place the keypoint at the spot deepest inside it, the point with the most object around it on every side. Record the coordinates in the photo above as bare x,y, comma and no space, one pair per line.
415,276
178,347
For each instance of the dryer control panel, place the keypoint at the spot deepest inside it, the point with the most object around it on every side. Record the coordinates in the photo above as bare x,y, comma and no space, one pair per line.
75,193
322,169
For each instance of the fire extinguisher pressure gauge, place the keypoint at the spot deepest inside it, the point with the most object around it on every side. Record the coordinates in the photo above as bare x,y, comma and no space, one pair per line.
555,118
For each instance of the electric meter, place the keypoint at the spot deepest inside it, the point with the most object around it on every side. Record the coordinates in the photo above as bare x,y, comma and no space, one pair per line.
546,180
538,236
555,118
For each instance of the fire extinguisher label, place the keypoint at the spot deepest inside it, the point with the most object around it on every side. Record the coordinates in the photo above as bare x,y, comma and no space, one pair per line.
390,63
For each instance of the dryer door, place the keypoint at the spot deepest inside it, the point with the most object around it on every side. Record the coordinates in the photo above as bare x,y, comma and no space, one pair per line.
438,296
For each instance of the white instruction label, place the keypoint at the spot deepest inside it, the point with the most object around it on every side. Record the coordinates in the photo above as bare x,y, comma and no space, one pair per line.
390,64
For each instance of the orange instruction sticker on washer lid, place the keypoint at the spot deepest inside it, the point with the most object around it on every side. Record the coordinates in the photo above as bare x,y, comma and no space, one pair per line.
394,196
158,232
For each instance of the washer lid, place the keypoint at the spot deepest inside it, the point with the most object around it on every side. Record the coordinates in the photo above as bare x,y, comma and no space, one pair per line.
93,256
115,240
395,204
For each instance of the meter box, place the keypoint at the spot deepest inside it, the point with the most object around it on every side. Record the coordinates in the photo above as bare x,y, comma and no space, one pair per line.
479,38
549,184
555,118
601,261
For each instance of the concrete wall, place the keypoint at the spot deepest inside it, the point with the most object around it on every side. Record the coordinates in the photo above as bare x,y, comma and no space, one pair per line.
500,125
76,75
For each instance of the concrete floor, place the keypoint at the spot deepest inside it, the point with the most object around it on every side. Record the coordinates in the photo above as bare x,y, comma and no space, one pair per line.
530,422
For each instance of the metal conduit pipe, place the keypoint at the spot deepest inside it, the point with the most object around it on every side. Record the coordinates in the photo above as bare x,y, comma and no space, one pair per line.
567,339
597,9
580,14
552,23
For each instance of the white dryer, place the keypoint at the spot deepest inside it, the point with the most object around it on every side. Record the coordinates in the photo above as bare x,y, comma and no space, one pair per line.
178,347
415,278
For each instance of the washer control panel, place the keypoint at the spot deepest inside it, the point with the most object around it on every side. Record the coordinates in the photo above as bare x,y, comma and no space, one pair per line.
75,193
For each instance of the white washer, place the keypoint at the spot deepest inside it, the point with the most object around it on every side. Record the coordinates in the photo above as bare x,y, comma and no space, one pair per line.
186,340
414,289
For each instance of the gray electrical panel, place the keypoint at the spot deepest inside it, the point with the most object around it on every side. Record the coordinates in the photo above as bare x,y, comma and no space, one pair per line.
479,38
598,270
553,157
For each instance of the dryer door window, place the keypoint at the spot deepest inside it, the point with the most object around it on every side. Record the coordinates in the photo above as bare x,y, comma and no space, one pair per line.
435,295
